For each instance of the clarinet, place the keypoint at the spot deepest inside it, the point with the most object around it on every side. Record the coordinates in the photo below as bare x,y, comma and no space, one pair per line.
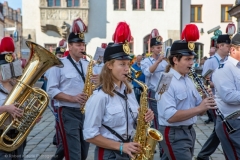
230,129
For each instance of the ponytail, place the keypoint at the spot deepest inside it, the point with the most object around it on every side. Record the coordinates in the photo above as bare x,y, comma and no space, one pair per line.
168,68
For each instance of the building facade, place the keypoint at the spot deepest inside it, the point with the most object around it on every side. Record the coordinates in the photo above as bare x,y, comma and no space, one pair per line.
48,21
208,15
10,18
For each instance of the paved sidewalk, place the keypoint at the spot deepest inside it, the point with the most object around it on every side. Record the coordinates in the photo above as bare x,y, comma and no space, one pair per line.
39,142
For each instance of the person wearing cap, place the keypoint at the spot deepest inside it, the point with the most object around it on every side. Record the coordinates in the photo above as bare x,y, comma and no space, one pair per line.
152,68
6,85
227,99
66,86
113,106
181,103
221,55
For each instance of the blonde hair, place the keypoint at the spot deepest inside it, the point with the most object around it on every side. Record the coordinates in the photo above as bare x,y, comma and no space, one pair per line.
106,80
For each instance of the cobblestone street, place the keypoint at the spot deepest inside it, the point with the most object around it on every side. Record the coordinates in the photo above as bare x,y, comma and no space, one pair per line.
40,147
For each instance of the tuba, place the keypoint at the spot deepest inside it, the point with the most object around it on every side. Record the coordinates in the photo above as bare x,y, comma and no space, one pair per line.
147,137
33,101
88,86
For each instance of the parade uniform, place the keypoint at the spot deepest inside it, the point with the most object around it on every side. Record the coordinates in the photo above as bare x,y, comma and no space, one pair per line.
178,137
101,109
181,95
213,63
7,47
151,79
70,80
112,116
227,99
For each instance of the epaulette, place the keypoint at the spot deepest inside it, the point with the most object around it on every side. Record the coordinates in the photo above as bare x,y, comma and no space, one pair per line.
220,66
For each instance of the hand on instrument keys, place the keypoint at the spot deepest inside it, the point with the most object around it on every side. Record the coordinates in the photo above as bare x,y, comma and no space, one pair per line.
149,116
208,103
95,78
80,98
131,148
14,111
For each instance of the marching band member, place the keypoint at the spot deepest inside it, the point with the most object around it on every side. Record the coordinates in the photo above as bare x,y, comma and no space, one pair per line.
66,85
6,49
181,103
221,55
227,99
151,68
112,109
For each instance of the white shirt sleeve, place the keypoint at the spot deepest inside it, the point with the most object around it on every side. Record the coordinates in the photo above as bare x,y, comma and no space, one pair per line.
94,114
54,82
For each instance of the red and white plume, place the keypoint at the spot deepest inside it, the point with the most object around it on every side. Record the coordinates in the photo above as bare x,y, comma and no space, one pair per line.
78,26
231,29
122,33
154,33
7,45
190,33
63,43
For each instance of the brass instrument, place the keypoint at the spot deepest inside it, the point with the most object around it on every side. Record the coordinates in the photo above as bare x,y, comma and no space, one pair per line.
147,137
196,79
33,101
88,86
137,73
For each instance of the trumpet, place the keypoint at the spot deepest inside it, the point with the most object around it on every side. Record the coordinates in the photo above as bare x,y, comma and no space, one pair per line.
137,73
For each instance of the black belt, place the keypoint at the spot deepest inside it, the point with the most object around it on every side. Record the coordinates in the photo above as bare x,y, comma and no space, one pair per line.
181,127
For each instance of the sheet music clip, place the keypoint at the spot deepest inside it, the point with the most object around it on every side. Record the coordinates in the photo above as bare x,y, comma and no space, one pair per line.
163,83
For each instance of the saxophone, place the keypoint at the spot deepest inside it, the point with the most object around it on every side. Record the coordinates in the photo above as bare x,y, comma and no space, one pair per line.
33,101
88,86
147,137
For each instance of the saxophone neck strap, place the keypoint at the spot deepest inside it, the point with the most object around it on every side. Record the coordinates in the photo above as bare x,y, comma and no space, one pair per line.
116,134
127,106
75,66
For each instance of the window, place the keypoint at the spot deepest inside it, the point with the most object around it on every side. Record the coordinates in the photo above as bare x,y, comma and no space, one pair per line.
10,14
119,4
138,4
73,3
225,17
50,47
52,3
196,13
157,4
5,11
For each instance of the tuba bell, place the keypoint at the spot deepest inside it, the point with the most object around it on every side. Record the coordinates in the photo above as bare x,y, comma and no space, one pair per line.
33,101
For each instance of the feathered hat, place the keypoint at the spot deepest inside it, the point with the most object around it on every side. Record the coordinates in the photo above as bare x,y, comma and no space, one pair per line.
155,38
120,48
77,31
231,29
61,47
6,50
186,45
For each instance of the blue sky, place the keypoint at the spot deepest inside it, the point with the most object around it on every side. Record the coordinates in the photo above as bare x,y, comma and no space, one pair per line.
13,3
